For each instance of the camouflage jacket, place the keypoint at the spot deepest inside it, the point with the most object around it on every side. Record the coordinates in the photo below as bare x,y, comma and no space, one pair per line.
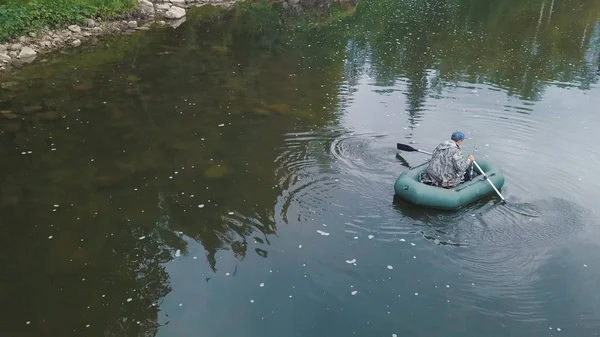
447,166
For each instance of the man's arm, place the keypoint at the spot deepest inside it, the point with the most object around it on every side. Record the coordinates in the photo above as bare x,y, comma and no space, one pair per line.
460,163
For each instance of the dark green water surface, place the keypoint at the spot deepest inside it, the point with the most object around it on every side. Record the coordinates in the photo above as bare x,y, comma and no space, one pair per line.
234,176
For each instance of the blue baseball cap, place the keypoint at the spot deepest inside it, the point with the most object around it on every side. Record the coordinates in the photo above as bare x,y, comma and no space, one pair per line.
457,135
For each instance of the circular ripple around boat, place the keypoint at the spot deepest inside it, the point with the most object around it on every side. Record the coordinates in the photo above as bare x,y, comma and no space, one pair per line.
306,173
367,156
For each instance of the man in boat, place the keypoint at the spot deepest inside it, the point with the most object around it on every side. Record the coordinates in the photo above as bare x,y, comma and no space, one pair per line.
448,167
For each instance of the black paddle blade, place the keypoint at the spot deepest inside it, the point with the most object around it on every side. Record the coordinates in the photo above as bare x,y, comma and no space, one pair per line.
404,147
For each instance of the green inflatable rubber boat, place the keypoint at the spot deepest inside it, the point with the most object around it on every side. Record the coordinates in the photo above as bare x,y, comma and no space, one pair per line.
408,187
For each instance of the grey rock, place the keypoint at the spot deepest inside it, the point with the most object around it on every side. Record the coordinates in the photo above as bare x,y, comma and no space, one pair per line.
76,43
5,58
32,34
3,47
15,47
46,44
90,23
132,24
75,28
13,53
27,52
161,23
96,30
163,7
176,23
24,60
87,34
22,39
146,7
143,28
175,13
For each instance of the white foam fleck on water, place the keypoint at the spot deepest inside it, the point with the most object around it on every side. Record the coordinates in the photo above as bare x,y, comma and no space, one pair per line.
28,322
371,236
251,301
416,294
585,265
402,240
87,325
447,286
230,213
394,335
322,233
414,257
178,253
180,304
390,267
356,238
201,205
290,296
142,237
227,274
351,261
550,328
354,292
56,206
50,237
195,258
557,329
299,246
412,244
129,299
261,285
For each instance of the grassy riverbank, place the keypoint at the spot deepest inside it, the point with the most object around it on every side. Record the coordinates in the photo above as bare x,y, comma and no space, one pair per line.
18,17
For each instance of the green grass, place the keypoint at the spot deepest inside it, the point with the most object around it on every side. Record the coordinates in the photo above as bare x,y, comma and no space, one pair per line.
18,17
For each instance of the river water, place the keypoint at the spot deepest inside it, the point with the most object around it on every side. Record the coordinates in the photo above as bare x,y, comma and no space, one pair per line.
234,176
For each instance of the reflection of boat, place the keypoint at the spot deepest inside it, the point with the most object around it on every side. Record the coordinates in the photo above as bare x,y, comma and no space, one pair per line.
408,187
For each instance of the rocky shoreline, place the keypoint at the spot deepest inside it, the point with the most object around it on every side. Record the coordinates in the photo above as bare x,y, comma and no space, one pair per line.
149,13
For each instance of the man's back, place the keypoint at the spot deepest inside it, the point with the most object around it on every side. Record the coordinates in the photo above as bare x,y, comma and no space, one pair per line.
447,165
